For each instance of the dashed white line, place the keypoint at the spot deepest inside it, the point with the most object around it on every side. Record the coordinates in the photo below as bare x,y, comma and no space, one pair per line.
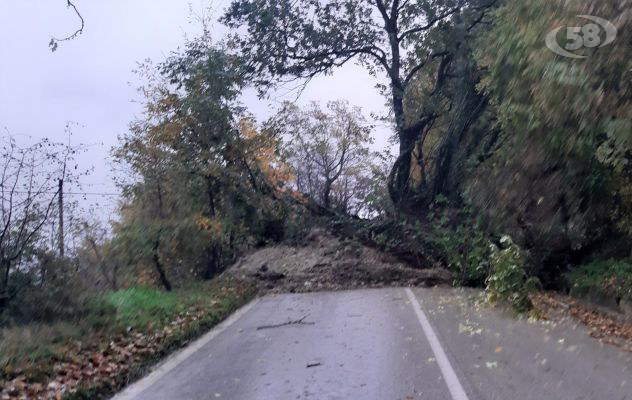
454,386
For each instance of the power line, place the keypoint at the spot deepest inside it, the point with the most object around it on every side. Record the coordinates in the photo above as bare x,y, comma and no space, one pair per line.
70,193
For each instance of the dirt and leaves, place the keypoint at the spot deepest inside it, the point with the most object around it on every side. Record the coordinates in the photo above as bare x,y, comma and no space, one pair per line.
601,325
323,262
122,346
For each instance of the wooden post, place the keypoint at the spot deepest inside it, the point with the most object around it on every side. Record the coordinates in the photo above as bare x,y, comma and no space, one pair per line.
61,218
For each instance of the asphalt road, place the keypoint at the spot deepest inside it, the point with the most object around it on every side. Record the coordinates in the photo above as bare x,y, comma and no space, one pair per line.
388,344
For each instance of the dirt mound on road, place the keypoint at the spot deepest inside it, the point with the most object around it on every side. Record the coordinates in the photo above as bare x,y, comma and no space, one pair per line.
324,262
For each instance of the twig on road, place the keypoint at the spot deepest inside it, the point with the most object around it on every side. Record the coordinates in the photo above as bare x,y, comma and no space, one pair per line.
296,322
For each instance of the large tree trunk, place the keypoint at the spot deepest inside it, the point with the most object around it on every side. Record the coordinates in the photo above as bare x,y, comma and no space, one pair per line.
399,182
401,191
114,276
467,106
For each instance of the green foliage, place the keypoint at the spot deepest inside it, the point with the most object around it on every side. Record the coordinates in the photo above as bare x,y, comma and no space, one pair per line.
557,178
607,277
32,350
375,198
208,184
465,252
312,37
411,44
458,242
508,281
35,344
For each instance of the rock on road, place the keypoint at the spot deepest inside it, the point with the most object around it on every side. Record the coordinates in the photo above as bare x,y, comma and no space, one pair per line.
388,344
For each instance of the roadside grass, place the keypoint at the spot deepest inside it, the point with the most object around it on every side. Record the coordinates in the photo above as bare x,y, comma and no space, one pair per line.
140,307
32,356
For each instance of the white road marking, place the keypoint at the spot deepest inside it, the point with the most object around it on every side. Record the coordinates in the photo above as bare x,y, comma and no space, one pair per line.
454,386
162,369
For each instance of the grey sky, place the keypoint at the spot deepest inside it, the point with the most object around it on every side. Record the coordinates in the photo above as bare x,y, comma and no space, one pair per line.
90,80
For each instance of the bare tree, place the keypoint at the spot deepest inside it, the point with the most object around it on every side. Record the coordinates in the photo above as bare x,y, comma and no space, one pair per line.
97,250
28,192
327,149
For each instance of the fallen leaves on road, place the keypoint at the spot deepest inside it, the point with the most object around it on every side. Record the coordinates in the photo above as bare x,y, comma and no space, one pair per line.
600,325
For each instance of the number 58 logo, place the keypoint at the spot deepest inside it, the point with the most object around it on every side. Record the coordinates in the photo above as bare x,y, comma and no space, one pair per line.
577,37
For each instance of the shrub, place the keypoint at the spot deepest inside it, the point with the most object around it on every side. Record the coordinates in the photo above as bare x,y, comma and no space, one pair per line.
608,277
463,248
465,252
33,299
508,282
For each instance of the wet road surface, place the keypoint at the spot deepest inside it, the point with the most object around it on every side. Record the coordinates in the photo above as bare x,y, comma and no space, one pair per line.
388,344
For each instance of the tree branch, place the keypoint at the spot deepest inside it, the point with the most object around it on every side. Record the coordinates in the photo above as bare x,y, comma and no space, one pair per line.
402,6
429,25
483,9
54,42
418,67
382,8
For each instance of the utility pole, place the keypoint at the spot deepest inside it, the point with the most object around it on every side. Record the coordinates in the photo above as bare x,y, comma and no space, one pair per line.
61,218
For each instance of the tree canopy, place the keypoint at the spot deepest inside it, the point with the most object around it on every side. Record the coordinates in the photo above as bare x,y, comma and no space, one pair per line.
204,177
393,39
328,151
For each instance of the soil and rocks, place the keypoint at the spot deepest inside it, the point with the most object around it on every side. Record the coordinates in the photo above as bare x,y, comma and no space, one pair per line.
324,262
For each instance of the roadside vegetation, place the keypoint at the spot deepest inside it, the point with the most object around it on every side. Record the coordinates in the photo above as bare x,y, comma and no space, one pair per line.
511,170
119,335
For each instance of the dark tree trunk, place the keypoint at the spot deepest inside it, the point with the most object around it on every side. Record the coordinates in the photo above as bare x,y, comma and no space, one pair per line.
160,269
399,183
400,180
5,267
327,194
213,251
212,262
114,274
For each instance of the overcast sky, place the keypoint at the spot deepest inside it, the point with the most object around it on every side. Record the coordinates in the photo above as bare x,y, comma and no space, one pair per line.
90,80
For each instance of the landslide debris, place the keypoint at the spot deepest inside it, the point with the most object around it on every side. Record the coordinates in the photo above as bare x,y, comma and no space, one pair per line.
324,262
